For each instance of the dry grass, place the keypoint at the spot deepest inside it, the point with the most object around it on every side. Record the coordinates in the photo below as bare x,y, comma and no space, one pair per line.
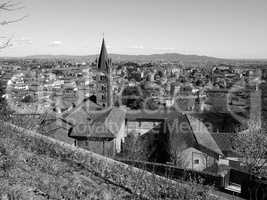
38,167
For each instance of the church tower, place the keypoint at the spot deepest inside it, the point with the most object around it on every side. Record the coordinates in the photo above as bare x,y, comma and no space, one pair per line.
103,79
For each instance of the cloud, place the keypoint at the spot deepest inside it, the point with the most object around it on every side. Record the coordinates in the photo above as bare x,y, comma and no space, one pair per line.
141,47
137,47
55,43
22,41
164,49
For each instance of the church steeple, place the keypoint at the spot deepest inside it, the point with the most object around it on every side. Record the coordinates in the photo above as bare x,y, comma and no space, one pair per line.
104,84
103,61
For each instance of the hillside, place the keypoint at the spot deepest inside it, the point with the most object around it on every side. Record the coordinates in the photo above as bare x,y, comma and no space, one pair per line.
134,58
34,166
30,175
165,57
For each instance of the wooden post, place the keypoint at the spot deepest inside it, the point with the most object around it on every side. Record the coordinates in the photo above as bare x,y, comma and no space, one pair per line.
103,147
192,160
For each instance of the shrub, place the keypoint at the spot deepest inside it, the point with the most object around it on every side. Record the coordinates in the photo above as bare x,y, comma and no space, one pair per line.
6,160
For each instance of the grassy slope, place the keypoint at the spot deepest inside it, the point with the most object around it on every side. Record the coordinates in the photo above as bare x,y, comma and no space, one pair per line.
36,166
29,175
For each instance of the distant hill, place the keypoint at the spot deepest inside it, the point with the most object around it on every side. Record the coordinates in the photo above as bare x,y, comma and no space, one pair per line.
166,57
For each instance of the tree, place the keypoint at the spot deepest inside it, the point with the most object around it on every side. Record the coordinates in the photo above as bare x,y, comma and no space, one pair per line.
8,6
251,146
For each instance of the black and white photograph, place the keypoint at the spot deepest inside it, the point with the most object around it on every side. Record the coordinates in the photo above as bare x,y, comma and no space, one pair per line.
133,100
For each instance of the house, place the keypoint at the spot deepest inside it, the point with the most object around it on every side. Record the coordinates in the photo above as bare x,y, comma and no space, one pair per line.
190,143
101,132
51,123
172,137
218,100
143,143
56,121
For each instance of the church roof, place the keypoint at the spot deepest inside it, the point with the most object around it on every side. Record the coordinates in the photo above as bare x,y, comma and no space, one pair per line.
81,109
50,122
99,125
103,58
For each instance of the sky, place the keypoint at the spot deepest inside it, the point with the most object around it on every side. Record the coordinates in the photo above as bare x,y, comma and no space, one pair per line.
219,28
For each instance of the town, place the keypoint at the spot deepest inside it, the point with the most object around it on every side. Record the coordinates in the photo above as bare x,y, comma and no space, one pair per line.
121,100
163,112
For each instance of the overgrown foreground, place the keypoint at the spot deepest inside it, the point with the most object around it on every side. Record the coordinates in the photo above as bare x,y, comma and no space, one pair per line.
33,166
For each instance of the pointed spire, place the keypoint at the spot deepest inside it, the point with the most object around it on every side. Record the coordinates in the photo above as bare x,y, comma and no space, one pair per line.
103,58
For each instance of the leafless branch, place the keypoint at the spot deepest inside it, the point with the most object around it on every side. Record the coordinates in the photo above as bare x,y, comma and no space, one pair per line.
5,22
7,6
5,44
252,148
10,6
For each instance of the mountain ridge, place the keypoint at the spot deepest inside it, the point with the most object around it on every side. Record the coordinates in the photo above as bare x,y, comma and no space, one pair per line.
164,57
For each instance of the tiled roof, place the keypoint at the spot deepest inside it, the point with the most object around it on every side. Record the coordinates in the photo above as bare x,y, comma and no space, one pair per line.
223,140
96,130
76,116
89,105
49,116
180,132
115,120
86,106
101,124
202,135
51,122
152,115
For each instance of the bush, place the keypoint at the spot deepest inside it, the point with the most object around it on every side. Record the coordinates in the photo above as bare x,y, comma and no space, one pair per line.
6,160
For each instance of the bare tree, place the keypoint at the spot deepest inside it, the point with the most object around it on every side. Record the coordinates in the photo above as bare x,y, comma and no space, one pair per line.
176,158
251,146
8,6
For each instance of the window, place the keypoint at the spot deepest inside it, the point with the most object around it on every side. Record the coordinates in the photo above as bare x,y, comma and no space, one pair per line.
102,78
196,162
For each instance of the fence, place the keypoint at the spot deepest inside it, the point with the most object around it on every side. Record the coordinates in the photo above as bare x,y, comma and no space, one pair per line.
252,188
175,173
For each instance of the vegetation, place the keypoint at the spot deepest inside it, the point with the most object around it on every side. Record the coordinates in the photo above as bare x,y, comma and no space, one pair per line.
31,175
25,121
252,148
7,6
50,169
